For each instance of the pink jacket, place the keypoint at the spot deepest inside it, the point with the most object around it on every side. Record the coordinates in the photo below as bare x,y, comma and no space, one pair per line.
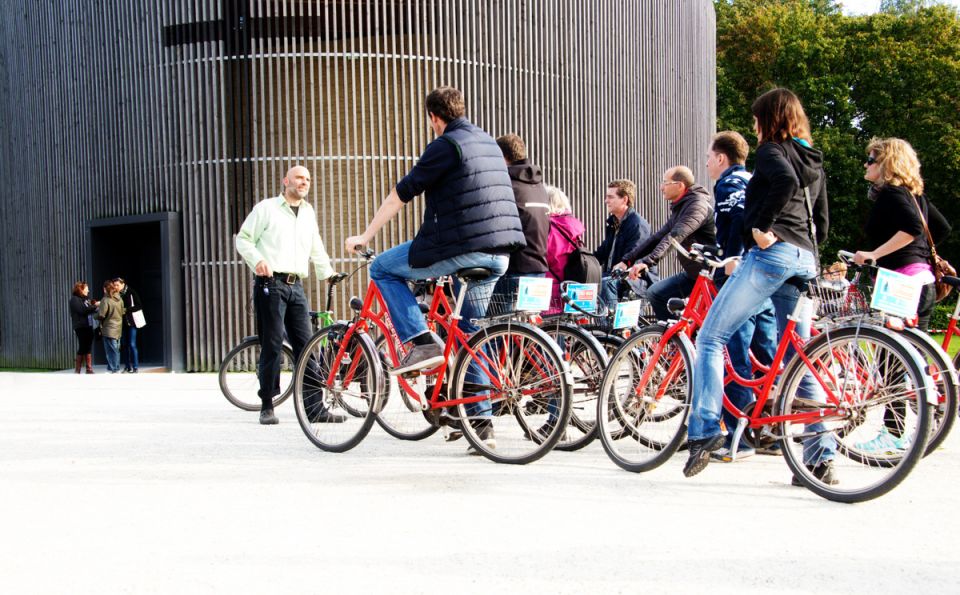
558,249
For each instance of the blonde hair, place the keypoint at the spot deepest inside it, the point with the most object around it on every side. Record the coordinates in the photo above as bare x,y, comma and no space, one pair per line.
559,203
898,163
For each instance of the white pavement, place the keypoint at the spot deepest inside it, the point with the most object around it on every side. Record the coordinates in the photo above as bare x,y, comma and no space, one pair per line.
155,484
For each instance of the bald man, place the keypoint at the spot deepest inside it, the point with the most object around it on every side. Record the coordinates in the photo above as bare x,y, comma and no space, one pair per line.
277,240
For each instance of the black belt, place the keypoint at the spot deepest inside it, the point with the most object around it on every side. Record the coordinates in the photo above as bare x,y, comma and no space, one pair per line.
288,278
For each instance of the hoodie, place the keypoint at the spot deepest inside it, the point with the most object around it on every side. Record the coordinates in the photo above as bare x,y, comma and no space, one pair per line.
559,249
534,208
775,199
690,222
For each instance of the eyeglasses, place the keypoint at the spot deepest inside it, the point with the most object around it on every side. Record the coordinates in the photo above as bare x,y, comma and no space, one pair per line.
669,183
871,159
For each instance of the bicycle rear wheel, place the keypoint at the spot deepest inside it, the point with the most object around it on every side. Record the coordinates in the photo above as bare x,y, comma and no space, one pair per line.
338,388
944,376
642,423
587,360
523,386
239,379
868,371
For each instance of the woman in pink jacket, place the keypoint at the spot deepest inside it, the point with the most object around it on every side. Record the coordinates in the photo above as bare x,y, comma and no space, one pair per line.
565,231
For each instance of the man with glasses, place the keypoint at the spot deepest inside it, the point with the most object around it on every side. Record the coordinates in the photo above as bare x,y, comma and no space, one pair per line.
690,221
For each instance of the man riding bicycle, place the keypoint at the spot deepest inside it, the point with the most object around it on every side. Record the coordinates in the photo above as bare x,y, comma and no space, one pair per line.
470,220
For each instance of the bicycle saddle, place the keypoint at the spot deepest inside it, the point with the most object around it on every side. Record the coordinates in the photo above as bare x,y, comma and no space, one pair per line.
473,274
676,305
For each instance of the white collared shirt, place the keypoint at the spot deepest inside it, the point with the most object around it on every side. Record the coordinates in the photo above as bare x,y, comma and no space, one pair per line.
286,241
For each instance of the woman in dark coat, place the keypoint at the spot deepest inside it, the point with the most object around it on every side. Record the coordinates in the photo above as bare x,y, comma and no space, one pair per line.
81,311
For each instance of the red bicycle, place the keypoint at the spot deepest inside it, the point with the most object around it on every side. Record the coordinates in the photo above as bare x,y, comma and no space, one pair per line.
861,370
506,387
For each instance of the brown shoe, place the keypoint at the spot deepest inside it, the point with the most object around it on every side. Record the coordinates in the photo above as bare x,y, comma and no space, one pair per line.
78,362
89,360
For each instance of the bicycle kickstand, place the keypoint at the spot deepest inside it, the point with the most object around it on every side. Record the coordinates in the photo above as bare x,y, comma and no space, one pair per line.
737,434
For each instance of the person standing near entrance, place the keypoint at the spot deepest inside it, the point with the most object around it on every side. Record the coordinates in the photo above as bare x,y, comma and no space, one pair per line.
278,240
81,312
110,313
131,303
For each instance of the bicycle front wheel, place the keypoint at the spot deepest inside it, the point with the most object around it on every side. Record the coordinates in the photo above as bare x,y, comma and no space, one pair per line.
587,360
239,375
337,388
868,372
644,399
401,414
944,376
521,385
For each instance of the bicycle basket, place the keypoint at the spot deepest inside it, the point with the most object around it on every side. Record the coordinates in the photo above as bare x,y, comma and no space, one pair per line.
838,297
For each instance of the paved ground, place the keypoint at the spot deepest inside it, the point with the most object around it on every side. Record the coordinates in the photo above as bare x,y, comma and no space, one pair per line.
155,484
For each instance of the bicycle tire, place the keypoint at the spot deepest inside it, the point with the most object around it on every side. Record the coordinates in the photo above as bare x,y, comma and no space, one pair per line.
944,375
642,427
871,368
400,414
238,375
529,368
587,360
358,384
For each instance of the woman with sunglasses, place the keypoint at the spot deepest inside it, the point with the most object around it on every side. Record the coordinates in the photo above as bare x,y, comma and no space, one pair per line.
895,224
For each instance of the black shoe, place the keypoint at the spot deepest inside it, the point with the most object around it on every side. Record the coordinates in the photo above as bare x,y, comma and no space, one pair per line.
267,418
418,358
700,454
325,417
824,472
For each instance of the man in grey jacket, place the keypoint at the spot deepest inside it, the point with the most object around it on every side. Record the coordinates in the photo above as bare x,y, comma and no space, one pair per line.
690,221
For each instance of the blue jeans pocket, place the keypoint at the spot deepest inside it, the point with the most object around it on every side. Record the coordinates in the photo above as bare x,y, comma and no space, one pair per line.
765,272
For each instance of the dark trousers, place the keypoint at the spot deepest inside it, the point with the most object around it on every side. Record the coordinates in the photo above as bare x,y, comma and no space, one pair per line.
84,339
679,285
280,308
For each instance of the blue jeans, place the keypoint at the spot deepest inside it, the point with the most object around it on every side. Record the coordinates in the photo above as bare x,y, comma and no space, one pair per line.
391,270
131,358
658,294
609,292
762,275
758,334
111,348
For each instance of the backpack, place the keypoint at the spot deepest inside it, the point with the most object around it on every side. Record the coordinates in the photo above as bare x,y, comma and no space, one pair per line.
581,267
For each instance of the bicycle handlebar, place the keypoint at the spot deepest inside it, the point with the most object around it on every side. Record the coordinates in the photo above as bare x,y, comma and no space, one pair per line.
696,254
847,258
566,300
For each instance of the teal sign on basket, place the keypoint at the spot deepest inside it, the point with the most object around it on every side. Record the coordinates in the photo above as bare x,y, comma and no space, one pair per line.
584,295
896,294
627,315
533,294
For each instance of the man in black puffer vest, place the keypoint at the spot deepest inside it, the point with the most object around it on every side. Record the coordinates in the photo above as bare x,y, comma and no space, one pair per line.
470,220
533,205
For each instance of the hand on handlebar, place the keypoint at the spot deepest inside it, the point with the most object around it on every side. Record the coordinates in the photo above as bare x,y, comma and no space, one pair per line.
637,270
864,257
354,244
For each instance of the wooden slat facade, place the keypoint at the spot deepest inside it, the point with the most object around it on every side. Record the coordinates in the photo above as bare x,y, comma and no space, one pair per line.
111,108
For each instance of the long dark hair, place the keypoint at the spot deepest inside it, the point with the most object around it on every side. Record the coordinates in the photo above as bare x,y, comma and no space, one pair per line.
780,116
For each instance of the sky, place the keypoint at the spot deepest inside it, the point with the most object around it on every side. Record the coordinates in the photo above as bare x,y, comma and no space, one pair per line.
871,6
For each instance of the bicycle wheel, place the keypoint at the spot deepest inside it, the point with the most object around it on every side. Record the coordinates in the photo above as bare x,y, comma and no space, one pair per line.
522,384
867,371
642,422
587,360
944,376
239,380
337,388
401,415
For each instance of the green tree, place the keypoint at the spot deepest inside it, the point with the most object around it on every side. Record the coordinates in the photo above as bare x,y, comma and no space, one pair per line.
859,77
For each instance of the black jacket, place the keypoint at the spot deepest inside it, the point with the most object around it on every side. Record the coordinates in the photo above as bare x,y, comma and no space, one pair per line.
533,205
775,198
690,222
895,210
80,311
470,205
619,237
131,303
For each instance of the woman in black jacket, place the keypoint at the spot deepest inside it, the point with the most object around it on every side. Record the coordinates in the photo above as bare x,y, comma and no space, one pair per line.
896,221
785,217
81,309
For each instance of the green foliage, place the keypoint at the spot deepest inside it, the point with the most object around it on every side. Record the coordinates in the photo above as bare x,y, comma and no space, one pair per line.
891,74
940,318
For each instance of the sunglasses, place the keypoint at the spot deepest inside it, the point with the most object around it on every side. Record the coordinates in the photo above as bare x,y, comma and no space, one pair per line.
871,159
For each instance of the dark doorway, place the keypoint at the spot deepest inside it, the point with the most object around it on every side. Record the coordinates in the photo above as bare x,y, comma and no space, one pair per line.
145,251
